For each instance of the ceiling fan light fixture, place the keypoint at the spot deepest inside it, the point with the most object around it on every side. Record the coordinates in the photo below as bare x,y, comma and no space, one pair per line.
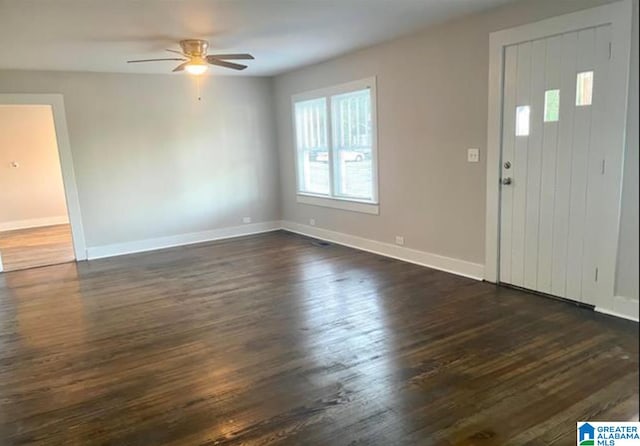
196,67
195,59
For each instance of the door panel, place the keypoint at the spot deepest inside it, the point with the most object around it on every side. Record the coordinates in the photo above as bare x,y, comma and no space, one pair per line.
508,145
553,81
534,165
519,169
553,155
597,194
578,173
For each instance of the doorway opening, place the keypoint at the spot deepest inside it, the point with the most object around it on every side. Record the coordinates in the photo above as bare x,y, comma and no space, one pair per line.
556,141
35,223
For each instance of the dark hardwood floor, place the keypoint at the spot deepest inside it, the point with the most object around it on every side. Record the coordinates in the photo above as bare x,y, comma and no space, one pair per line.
272,339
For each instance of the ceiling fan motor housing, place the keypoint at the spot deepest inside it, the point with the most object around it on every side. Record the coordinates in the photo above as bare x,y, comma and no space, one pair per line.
194,47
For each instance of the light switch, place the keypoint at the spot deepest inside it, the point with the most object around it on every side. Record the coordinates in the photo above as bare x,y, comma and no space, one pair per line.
473,155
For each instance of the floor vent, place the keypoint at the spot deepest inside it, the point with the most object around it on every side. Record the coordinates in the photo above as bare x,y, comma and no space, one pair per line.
321,243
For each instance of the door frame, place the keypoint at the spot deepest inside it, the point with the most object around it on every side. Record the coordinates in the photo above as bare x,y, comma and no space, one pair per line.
56,102
619,16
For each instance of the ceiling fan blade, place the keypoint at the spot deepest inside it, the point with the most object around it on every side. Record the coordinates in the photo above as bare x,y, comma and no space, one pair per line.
222,63
154,60
180,67
175,51
233,56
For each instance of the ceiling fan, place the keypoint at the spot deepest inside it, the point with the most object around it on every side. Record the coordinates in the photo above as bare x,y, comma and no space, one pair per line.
195,59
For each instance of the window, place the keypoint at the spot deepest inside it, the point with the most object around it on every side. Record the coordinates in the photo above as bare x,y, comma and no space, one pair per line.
522,120
551,105
311,137
584,88
353,144
336,146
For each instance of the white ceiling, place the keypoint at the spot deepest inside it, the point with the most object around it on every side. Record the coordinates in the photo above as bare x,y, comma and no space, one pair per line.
100,35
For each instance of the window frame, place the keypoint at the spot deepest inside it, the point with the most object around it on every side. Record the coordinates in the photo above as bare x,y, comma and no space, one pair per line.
332,200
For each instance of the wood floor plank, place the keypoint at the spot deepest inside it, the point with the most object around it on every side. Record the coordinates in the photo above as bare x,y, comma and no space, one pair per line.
272,339
35,247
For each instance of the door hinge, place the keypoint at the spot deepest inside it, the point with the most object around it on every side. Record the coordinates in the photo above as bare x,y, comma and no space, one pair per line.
596,274
603,166
610,49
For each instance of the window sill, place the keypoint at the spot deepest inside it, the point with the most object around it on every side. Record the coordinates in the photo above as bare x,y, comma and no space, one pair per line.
339,203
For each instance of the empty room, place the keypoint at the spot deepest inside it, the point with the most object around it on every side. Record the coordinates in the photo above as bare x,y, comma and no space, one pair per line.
319,222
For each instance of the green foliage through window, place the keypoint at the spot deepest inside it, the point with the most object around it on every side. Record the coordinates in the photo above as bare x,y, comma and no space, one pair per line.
552,105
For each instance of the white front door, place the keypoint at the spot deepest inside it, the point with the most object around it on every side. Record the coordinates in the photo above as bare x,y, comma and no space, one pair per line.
558,195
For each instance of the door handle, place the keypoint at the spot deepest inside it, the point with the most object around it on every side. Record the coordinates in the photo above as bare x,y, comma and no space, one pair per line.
506,181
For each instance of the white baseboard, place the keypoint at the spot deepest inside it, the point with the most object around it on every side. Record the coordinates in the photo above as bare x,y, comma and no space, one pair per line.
624,307
118,249
33,223
450,265
435,261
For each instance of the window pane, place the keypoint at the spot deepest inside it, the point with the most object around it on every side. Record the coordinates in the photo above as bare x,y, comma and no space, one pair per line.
584,88
353,142
522,120
552,105
311,140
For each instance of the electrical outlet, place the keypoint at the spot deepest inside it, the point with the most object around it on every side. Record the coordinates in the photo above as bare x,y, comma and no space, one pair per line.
312,221
473,155
399,240
246,219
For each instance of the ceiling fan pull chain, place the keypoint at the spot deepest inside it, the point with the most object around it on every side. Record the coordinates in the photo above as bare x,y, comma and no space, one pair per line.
198,88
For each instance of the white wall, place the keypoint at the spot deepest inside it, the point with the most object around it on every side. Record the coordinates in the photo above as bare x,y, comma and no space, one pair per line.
152,161
432,106
31,194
